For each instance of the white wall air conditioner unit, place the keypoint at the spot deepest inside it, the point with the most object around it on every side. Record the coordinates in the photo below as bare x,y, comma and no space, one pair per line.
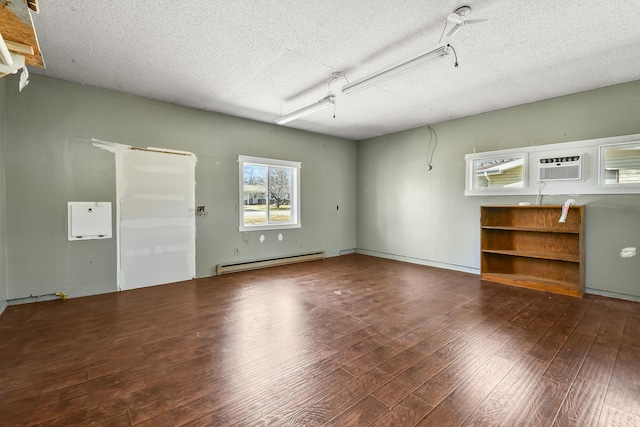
567,168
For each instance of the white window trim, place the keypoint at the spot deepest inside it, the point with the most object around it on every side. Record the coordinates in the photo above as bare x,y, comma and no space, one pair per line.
295,192
592,181
601,169
498,190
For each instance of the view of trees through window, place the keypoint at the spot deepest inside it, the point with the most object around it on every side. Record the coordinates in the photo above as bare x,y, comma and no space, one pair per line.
267,194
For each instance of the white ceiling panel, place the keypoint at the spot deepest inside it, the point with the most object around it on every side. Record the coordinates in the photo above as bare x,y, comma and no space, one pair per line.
260,60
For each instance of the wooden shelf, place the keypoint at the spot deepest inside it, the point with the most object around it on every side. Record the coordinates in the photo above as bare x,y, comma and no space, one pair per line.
539,255
527,246
525,281
531,229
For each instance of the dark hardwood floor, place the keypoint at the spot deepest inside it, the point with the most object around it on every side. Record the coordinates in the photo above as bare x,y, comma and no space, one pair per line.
353,340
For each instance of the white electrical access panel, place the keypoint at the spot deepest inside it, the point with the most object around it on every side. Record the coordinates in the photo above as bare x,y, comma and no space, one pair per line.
89,220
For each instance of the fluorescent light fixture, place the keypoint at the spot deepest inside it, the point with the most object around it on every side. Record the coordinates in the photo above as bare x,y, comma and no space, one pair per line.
398,68
323,103
17,62
4,52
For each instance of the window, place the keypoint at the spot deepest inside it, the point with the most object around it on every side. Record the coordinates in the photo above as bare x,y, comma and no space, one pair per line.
594,166
269,194
498,172
620,164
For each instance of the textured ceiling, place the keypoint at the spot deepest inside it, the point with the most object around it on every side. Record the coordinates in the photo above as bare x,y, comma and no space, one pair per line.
259,60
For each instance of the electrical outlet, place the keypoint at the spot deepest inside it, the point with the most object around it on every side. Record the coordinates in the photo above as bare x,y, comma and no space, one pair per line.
236,251
301,245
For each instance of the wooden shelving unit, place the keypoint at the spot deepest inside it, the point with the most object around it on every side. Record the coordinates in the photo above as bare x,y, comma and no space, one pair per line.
527,246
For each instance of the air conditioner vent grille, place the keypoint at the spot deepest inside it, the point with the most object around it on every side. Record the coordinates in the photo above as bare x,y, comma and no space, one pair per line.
567,168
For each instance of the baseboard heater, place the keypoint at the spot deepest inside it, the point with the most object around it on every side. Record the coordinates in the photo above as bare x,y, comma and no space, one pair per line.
272,262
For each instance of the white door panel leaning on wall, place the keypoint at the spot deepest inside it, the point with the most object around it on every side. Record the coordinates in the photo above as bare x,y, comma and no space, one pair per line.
156,217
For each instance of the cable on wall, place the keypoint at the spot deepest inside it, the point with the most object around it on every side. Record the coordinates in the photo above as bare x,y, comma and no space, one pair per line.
433,143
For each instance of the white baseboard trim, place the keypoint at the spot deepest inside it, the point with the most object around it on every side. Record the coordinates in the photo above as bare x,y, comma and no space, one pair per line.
347,251
413,260
473,270
611,294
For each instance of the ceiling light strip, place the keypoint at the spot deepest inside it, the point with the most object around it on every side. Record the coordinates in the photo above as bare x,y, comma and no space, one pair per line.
401,67
4,52
323,103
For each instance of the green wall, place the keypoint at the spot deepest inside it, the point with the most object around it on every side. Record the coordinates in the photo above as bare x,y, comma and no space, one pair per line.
3,253
404,211
407,212
51,160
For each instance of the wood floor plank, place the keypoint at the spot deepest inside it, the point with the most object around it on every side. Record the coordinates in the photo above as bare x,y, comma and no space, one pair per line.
445,329
207,420
624,386
548,395
541,404
405,359
349,340
456,346
375,358
357,337
600,359
42,388
254,400
548,346
506,397
362,413
297,408
333,405
530,331
405,383
594,316
564,367
631,334
162,420
88,407
582,405
612,416
462,401
406,413
16,404
86,418
444,382
230,399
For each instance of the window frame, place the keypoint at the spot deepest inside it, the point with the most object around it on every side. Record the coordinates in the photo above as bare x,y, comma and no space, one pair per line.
592,181
603,166
294,167
472,183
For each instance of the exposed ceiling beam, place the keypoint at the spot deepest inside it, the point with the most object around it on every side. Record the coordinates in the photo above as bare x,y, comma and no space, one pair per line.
17,27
